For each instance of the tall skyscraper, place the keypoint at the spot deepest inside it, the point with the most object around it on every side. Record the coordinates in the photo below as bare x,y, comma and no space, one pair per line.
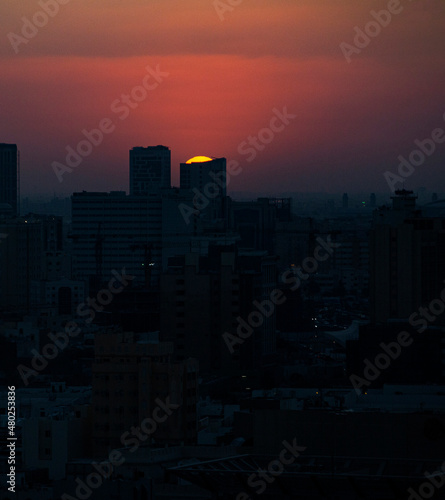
9,176
406,255
201,172
205,179
150,169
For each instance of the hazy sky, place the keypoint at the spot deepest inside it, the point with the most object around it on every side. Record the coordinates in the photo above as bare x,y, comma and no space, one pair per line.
225,77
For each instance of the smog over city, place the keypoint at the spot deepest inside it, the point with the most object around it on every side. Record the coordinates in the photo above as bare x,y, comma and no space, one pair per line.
222,249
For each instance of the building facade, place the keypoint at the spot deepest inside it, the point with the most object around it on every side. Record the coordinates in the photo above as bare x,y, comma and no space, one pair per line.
208,299
406,255
9,176
150,169
131,374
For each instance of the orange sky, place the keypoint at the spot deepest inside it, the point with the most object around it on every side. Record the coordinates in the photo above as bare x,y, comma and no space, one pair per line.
225,78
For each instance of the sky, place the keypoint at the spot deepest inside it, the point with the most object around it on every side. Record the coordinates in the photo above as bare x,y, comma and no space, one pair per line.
220,72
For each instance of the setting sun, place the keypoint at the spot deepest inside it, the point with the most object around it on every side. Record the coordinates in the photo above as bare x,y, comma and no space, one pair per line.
199,159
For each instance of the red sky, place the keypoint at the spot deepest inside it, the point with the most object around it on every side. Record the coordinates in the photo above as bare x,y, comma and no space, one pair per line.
224,79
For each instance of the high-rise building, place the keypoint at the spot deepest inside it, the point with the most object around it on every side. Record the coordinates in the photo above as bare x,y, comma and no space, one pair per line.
9,176
111,231
201,171
206,299
150,169
407,269
30,251
406,256
205,178
255,221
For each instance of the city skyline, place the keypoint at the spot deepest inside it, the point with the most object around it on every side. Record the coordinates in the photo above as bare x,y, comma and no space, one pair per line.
222,241
216,77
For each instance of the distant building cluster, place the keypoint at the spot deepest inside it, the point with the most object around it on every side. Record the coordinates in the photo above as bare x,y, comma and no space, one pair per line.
114,328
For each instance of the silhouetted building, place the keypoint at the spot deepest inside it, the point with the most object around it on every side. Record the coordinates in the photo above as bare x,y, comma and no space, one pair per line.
293,240
372,200
202,171
109,231
259,223
204,297
10,176
150,169
136,309
406,255
342,446
205,179
345,200
349,263
131,374
422,361
112,231
255,222
407,270
31,251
